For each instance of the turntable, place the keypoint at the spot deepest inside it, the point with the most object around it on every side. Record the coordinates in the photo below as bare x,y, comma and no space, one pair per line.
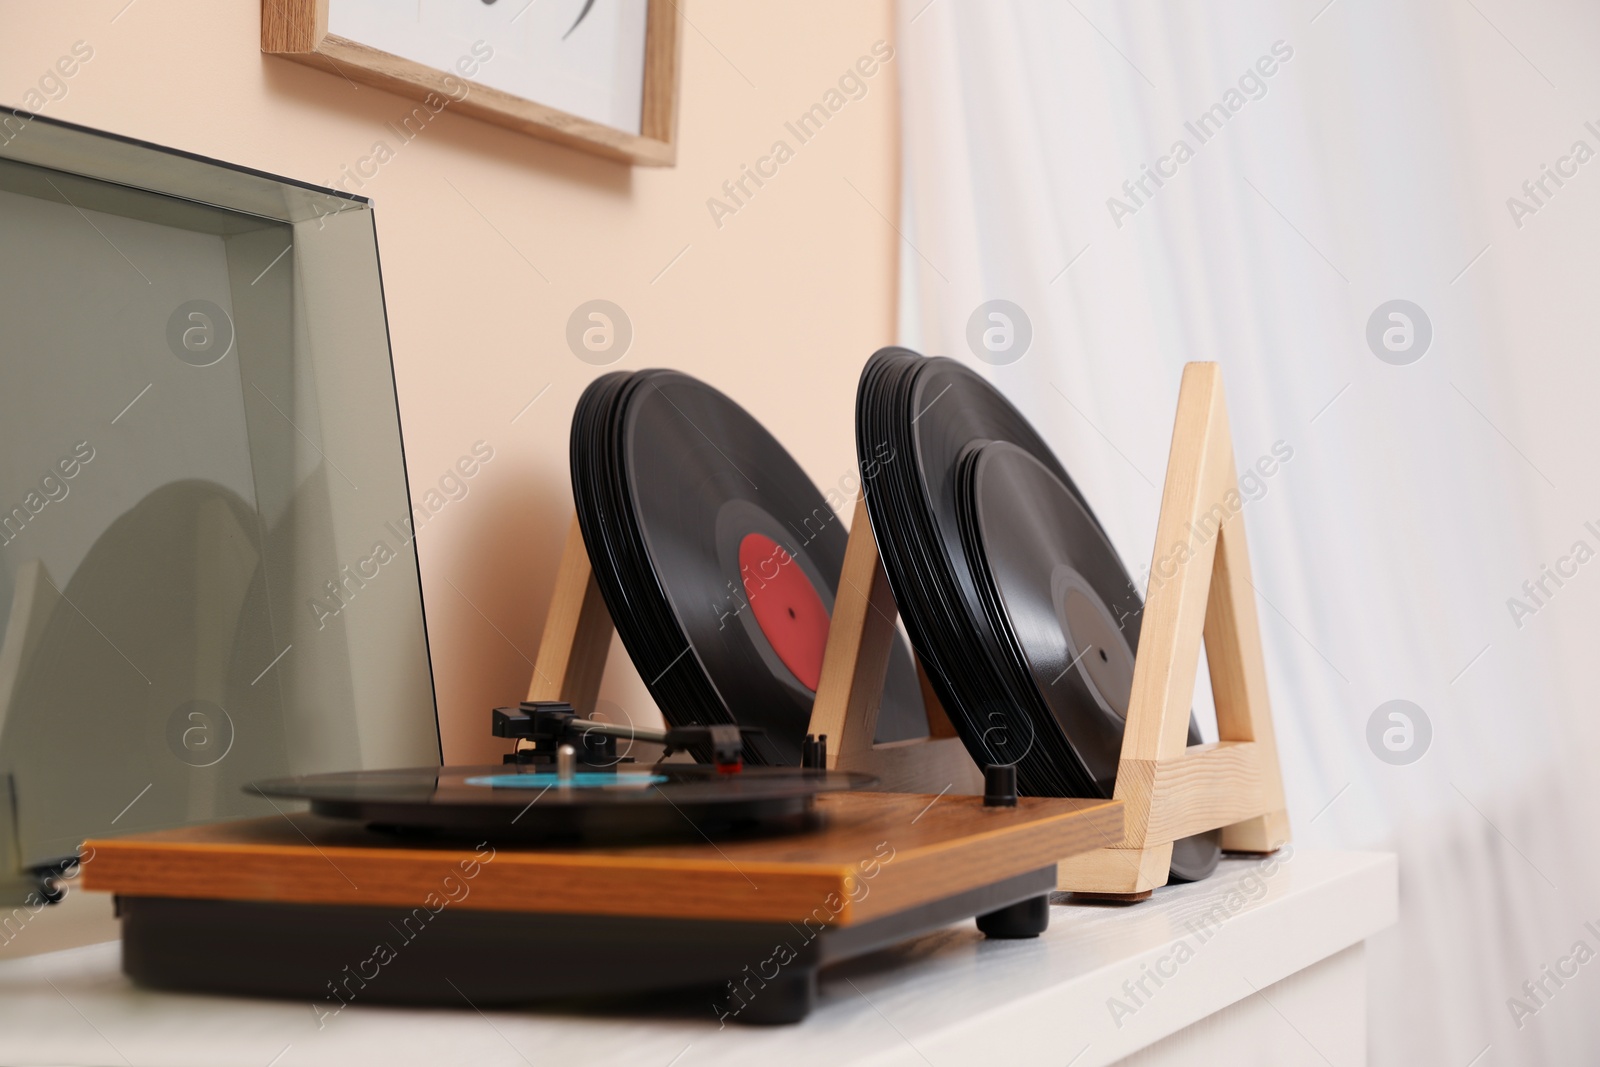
565,872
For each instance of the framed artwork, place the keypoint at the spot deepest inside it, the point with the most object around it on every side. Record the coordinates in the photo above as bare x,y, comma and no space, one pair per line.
598,75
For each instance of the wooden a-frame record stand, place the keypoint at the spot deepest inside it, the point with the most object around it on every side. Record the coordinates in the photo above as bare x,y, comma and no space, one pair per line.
1200,587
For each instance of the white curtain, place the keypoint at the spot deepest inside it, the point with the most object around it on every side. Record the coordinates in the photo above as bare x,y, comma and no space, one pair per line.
1352,154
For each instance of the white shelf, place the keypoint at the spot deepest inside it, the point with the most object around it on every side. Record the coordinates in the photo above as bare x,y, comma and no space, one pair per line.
948,998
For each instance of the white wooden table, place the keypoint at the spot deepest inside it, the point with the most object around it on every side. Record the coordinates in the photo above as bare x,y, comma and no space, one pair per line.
1259,964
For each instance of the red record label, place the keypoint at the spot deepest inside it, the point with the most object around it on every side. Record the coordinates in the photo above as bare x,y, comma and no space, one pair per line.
786,606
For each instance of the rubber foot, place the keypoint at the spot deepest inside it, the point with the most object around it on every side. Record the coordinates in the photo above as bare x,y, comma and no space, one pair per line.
1026,918
786,999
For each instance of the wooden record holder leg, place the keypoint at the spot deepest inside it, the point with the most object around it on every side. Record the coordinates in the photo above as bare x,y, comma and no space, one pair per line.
577,633
850,691
1171,790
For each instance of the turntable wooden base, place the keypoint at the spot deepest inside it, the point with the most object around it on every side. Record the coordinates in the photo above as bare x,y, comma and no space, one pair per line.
302,906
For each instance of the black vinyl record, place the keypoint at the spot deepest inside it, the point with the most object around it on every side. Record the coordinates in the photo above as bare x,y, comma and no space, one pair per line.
1009,587
718,558
1053,590
512,802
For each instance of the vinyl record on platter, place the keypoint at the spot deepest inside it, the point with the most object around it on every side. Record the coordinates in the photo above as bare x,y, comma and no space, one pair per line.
718,559
1014,598
497,802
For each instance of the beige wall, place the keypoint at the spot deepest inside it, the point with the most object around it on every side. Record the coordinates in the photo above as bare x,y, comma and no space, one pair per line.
779,306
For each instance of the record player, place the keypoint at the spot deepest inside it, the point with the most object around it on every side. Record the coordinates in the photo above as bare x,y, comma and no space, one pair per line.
567,872
761,627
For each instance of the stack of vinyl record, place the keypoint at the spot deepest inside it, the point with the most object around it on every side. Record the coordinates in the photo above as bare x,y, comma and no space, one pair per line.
1018,606
717,558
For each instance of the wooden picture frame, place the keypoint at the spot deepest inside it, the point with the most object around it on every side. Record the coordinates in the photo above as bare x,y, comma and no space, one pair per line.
297,30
